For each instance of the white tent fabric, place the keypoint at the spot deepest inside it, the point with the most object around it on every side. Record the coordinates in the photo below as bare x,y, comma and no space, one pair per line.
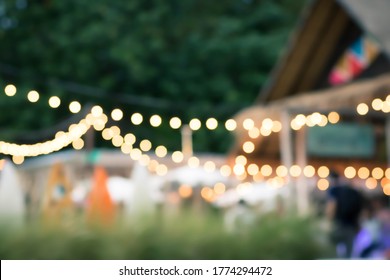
120,188
257,193
195,176
12,205
140,202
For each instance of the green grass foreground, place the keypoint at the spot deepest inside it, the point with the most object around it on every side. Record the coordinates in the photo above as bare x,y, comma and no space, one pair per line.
182,237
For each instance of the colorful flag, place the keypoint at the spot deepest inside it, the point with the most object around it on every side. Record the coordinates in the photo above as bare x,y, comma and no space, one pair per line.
354,61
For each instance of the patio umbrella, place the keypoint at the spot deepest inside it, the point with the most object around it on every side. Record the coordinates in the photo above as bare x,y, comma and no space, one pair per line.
12,207
119,188
195,176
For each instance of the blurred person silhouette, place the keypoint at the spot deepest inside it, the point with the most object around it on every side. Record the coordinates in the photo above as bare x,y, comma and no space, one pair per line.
343,208
373,240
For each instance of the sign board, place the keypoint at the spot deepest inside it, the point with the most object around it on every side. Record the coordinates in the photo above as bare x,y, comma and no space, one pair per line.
342,140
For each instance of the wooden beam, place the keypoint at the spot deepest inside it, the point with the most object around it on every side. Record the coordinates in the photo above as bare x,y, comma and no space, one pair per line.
330,35
302,49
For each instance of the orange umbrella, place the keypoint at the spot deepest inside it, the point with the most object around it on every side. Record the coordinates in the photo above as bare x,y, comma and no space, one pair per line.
100,207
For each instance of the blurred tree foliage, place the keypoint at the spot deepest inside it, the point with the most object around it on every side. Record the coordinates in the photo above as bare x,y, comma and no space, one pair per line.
192,58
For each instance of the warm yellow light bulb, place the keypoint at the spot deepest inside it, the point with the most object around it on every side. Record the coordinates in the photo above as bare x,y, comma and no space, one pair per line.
161,151
18,159
117,140
253,169
155,120
267,123
130,138
96,111
378,173
177,156
254,133
136,118
300,120
377,104
323,172
323,184
10,90
295,171
350,172
195,124
333,117
248,124
135,154
295,125
248,147
371,183
145,145
363,173
33,96
239,169
175,122
277,126
78,144
281,171
74,107
241,159
54,101
309,171
266,170
117,114
230,124
362,109
211,123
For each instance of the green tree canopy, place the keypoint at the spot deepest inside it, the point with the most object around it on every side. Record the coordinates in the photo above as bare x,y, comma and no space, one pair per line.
189,58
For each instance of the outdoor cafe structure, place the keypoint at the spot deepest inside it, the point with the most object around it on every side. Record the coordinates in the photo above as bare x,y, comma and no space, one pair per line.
328,95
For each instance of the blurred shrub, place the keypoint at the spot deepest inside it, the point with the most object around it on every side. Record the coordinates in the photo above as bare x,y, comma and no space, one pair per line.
187,236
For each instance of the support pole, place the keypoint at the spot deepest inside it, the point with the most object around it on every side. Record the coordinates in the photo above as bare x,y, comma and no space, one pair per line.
387,136
90,139
186,141
301,186
286,155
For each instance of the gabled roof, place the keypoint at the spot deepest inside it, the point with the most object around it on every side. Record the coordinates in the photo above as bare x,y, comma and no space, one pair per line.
327,28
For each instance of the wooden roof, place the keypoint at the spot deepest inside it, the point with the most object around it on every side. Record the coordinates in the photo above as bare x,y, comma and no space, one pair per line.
326,29
299,84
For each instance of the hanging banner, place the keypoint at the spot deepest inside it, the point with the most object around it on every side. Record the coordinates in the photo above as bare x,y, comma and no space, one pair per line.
356,58
342,140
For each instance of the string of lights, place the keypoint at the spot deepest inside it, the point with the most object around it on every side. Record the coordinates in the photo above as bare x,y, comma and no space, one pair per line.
61,139
241,169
